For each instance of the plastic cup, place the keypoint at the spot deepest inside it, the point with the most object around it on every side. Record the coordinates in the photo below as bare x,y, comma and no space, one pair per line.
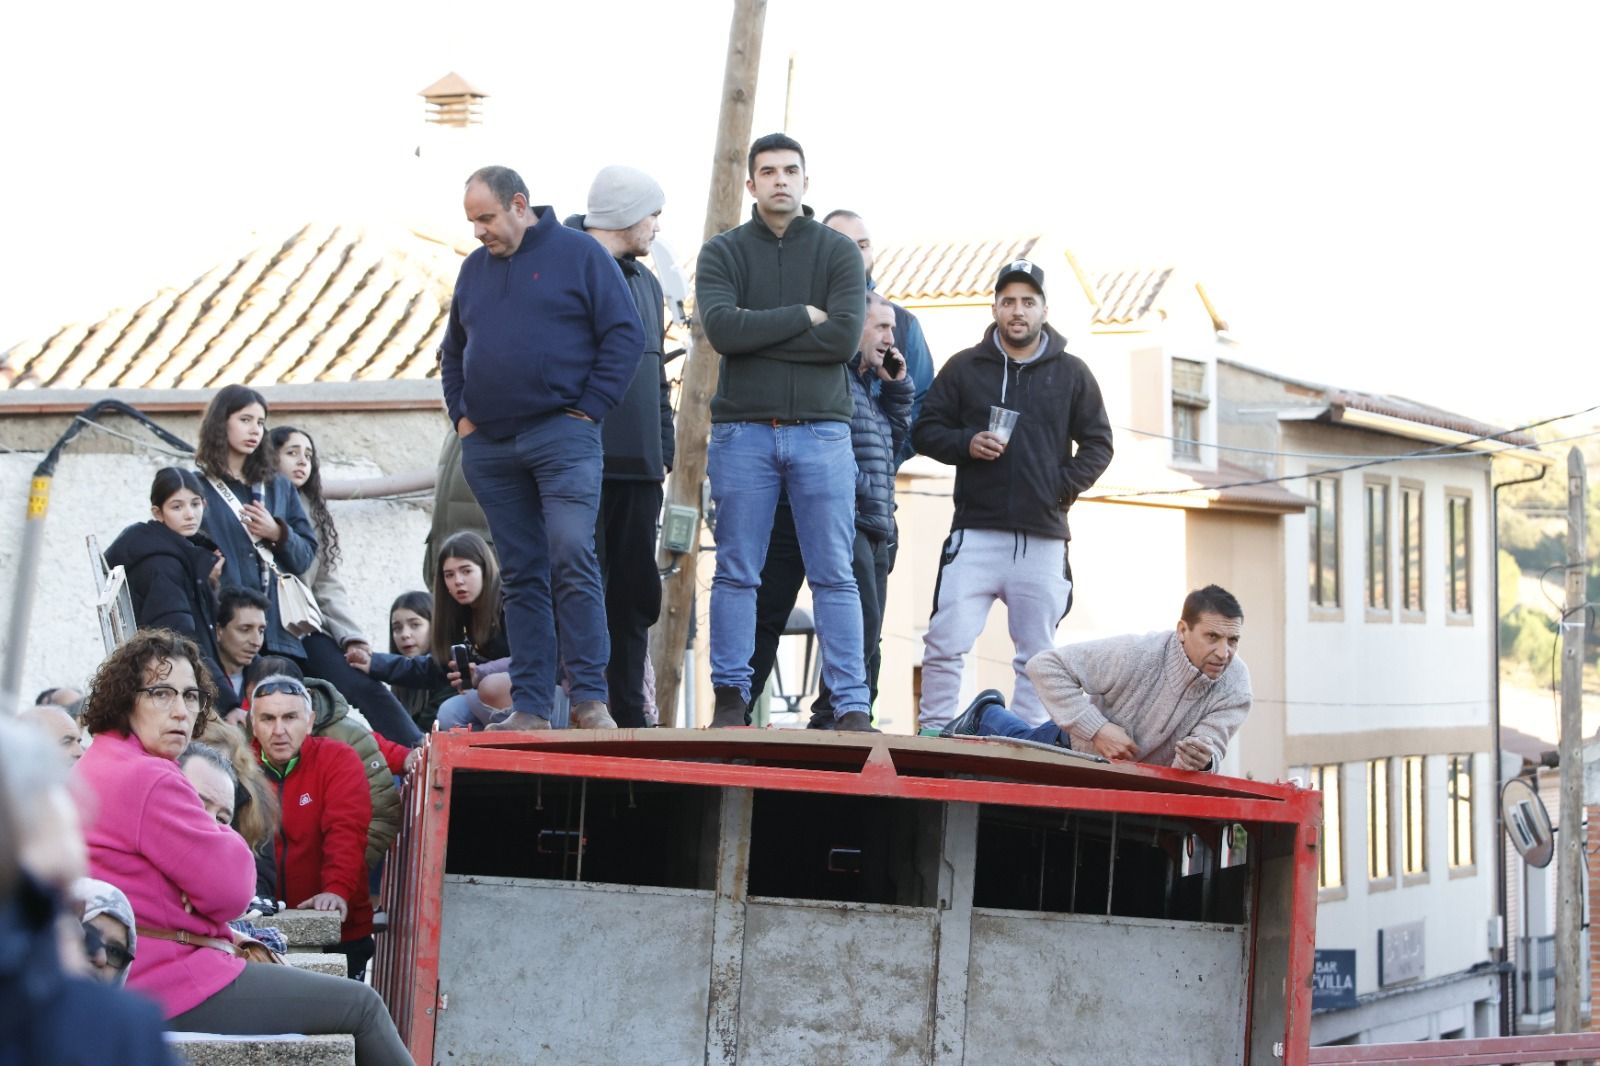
1002,420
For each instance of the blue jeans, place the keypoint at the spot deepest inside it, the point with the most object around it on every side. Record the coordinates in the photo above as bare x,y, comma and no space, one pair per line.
999,722
540,491
466,710
749,463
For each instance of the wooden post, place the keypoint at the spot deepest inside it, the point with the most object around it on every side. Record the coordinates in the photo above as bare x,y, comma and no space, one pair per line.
671,632
1571,968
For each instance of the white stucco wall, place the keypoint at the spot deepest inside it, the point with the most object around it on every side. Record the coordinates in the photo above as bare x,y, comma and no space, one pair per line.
98,492
1455,905
1352,675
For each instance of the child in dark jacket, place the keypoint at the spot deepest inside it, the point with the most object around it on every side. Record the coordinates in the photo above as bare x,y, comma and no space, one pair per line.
172,568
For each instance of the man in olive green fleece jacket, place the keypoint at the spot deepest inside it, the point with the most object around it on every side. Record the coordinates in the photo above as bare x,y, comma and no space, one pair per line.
782,299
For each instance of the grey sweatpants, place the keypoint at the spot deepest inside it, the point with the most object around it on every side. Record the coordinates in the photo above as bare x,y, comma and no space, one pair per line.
1028,574
267,998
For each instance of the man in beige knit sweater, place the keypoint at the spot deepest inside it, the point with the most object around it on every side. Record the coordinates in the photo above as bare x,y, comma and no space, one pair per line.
1171,698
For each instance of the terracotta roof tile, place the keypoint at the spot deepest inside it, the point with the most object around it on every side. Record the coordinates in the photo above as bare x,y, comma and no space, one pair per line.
330,303
1392,406
1426,414
949,271
954,271
1126,296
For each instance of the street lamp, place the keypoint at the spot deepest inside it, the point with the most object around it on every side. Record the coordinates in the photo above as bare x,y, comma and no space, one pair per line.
797,645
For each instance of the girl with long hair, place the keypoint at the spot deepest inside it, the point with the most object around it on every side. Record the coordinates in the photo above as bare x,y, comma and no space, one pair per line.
248,503
327,651
467,609
411,633
172,567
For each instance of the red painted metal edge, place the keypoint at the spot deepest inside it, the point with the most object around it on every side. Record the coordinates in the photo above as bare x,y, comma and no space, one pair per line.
880,783
1302,929
958,755
1488,1051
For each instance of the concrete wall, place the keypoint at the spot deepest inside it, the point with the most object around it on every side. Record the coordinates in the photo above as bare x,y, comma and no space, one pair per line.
102,485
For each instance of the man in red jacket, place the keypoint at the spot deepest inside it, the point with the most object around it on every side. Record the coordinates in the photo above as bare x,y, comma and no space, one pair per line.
319,856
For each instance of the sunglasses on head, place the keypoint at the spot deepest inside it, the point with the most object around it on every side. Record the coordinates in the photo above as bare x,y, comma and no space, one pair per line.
278,688
94,942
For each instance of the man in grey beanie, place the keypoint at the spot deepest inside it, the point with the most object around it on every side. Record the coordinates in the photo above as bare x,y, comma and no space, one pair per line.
623,214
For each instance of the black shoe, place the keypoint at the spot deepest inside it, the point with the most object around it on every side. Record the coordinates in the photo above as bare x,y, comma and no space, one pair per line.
854,722
967,722
820,720
730,709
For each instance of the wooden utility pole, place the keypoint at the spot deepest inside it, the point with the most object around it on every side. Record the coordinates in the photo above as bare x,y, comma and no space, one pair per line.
671,633
1572,970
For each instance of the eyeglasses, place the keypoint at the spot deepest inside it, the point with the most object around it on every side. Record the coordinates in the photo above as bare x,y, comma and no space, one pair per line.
163,695
118,957
278,688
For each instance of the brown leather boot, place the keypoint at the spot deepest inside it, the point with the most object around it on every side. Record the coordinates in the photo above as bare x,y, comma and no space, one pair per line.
591,714
730,709
520,721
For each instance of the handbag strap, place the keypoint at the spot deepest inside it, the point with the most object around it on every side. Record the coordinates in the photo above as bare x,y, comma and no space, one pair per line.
183,936
267,561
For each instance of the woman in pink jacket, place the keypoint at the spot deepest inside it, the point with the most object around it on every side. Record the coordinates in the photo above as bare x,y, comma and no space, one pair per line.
187,875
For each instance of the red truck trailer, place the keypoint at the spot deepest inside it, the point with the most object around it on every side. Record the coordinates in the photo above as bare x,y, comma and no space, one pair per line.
784,896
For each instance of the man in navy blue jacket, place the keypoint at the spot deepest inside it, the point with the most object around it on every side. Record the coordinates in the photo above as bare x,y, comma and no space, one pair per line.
543,341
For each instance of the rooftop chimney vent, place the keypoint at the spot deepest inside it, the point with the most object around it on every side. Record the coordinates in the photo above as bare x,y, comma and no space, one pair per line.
453,102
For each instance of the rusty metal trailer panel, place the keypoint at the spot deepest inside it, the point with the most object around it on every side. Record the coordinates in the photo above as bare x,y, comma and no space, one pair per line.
770,896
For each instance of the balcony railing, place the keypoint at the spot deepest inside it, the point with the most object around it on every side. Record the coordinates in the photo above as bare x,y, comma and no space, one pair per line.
1536,973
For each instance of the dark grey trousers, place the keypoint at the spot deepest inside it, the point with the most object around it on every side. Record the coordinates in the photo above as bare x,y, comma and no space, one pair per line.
268,999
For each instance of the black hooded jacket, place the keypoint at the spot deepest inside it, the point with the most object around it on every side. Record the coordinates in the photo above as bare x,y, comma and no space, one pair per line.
637,434
1029,488
169,579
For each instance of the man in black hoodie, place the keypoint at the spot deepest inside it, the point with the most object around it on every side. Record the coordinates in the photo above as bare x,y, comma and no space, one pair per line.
623,214
1014,484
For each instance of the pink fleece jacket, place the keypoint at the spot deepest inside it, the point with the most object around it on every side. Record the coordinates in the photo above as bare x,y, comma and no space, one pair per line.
149,836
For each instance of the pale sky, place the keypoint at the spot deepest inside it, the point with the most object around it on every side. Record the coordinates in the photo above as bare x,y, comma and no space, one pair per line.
1385,196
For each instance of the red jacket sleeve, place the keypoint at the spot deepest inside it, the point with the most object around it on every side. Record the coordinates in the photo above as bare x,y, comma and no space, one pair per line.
393,754
346,813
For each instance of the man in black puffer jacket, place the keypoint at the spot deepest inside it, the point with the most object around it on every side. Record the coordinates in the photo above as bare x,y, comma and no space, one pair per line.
878,429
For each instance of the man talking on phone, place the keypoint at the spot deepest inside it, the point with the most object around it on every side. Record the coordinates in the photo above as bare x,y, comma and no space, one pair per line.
883,391
1022,421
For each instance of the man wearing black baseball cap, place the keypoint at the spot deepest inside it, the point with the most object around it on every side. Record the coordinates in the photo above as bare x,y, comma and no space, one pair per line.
1022,421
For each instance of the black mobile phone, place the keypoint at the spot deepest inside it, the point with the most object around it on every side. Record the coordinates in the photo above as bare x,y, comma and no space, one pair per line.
461,655
893,363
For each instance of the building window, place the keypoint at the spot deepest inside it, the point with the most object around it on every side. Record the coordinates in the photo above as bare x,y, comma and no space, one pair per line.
1413,816
1458,510
1323,519
1378,546
1189,402
1380,843
1411,548
1460,800
1330,858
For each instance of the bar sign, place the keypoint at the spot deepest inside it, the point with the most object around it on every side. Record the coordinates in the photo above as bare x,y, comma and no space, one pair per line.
1333,985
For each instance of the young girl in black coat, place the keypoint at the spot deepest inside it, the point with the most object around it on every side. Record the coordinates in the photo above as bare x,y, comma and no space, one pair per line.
172,568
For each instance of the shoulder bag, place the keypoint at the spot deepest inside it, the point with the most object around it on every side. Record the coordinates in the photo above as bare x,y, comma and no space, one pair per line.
297,607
